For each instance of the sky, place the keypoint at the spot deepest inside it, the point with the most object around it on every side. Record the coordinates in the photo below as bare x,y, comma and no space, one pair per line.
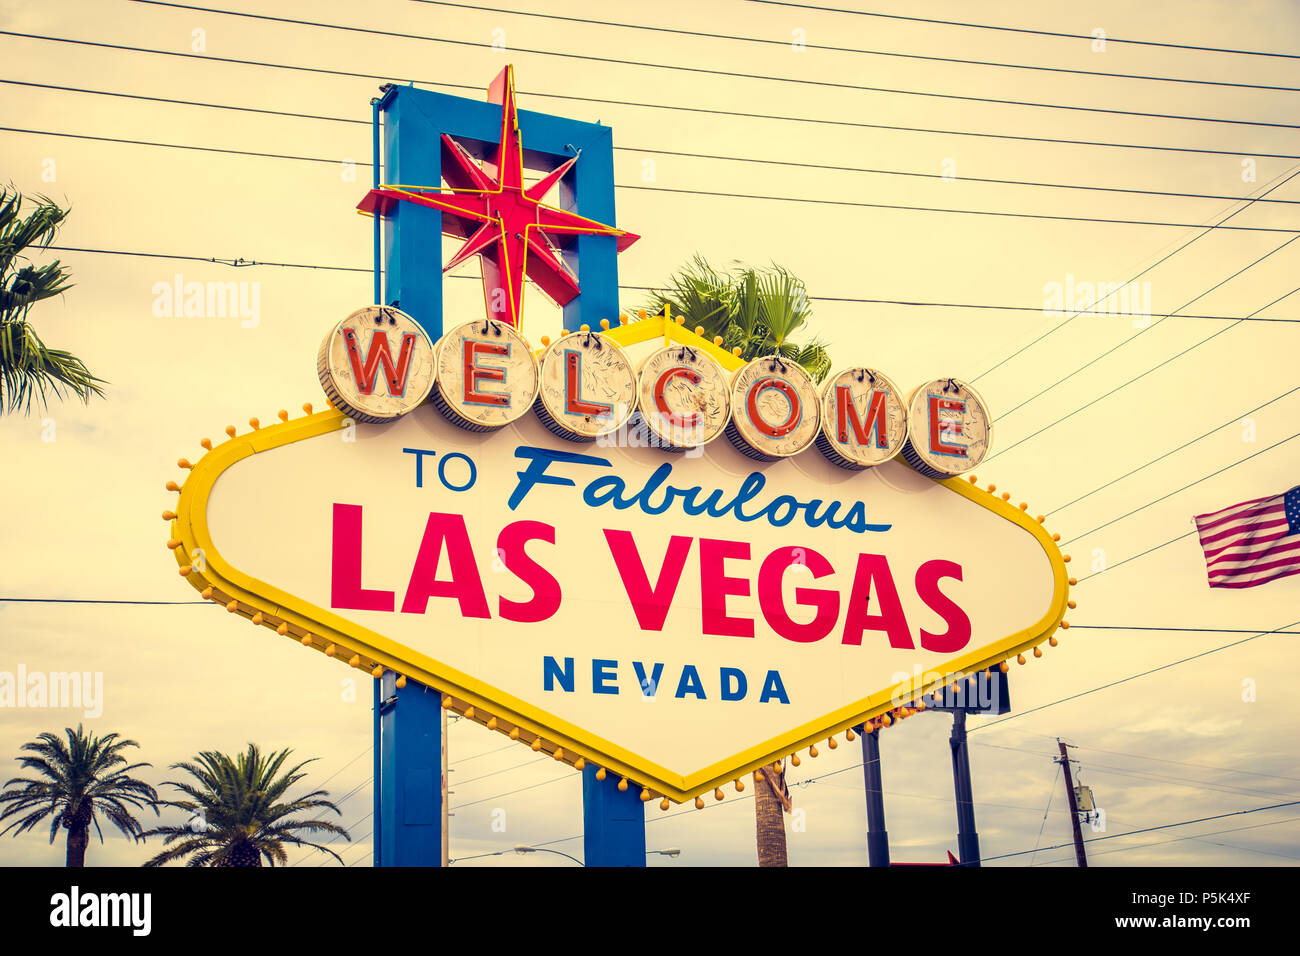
1078,403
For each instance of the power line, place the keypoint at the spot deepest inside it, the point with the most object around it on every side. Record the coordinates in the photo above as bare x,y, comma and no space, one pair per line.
1026,30
1276,184
938,209
755,160
1140,554
1148,328
1163,826
1177,449
1182,489
508,793
1051,794
841,49
245,263
1124,680
730,74
42,600
237,263
345,767
202,149
1199,766
1200,838
853,124
1124,753
1153,368
704,192
526,763
1166,779
1189,630
1178,781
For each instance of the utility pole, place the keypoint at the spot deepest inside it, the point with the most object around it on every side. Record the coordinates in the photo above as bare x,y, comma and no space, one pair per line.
877,837
1064,761
968,841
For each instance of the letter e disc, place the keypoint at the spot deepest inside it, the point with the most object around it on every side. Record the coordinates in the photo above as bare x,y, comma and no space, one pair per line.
864,419
948,429
588,387
776,409
487,376
683,396
376,365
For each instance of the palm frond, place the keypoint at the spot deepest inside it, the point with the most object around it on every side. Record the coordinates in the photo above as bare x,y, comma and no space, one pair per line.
29,369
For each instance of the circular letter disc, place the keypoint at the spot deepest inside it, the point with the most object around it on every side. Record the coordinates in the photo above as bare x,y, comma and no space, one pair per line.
776,409
588,387
948,428
682,394
376,365
487,376
864,419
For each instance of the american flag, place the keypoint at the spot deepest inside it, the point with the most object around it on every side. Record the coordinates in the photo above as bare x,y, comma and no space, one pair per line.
1252,543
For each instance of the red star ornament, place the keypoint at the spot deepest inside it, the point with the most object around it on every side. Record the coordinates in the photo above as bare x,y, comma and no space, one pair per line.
514,234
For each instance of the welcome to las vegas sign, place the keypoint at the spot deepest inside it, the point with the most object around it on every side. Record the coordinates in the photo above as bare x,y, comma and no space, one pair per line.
626,548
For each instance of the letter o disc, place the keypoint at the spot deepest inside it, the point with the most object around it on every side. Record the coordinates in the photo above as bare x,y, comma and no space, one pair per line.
376,365
956,438
865,393
487,376
588,387
683,397
777,411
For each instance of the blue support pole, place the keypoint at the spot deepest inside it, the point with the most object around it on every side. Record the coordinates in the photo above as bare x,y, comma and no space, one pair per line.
377,814
613,822
409,818
412,253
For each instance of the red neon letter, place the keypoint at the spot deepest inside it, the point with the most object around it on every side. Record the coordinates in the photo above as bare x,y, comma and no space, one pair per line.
363,376
475,373
826,602
649,604
716,587
791,396
927,587
846,414
465,585
546,590
345,566
941,428
675,419
573,402
874,568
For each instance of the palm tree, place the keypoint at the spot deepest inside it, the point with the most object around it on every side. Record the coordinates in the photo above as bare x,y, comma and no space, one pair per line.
771,802
27,367
239,813
757,310
78,780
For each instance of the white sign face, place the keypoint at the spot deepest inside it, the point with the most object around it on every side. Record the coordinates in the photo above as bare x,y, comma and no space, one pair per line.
948,428
588,386
864,419
487,375
678,619
683,396
776,411
376,365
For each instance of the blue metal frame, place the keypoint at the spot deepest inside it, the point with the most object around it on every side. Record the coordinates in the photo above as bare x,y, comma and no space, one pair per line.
416,120
407,741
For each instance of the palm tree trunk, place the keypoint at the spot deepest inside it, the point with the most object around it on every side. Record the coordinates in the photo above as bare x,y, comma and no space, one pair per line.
770,824
78,839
